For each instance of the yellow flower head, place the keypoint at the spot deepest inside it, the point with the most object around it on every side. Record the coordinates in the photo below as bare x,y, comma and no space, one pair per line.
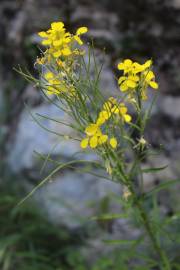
56,85
135,75
113,107
61,43
94,137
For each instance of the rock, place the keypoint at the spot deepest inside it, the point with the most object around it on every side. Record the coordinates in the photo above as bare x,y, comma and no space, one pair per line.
102,25
31,137
170,106
169,173
94,15
107,82
72,198
176,4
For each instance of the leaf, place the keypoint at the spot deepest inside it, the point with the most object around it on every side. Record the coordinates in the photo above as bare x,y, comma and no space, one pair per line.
57,169
120,242
109,216
161,186
151,170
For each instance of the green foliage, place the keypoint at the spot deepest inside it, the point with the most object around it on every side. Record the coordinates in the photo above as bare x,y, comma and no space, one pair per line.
116,137
29,242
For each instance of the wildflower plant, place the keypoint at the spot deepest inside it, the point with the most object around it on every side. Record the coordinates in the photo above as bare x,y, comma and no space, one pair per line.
112,127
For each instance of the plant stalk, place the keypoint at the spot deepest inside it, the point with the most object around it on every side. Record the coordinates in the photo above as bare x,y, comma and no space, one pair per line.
165,265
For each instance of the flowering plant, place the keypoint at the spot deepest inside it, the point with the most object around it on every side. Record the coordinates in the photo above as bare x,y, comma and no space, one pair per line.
104,125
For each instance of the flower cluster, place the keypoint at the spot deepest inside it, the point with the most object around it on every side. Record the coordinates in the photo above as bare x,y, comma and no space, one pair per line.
112,107
60,57
94,136
61,44
55,84
135,74
93,131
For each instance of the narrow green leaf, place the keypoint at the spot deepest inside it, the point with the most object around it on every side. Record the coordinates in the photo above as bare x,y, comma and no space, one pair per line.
46,179
120,242
151,170
161,186
109,216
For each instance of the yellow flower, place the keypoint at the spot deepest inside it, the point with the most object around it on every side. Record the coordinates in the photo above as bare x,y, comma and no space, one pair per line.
84,143
103,116
93,141
126,66
56,85
61,43
149,79
80,31
113,142
94,137
92,129
128,82
102,139
136,74
121,110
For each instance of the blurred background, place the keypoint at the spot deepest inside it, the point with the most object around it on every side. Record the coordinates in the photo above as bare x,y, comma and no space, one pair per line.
53,230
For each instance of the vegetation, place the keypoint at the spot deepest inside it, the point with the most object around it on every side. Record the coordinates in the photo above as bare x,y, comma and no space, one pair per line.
108,129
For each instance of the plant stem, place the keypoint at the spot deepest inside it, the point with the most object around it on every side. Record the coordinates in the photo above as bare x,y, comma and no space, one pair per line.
165,265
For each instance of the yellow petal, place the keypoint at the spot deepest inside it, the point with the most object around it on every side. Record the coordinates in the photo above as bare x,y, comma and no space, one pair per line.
128,62
115,109
46,42
131,83
100,121
113,142
120,66
67,40
81,30
84,143
93,142
48,75
102,139
43,34
57,25
123,87
153,84
57,43
134,78
112,100
138,67
149,75
79,41
107,105
121,79
66,51
147,64
91,129
104,114
122,108
51,90
57,54
127,118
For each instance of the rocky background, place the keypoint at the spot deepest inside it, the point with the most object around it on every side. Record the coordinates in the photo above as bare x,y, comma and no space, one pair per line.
139,30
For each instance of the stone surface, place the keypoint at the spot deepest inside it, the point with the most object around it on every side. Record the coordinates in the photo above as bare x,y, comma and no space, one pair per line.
176,4
107,82
170,106
31,137
73,198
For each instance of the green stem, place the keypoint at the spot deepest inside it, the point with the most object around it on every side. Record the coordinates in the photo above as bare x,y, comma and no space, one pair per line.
164,263
164,260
